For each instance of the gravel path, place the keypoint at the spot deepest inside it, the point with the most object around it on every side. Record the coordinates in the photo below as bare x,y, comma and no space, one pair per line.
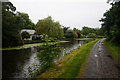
101,63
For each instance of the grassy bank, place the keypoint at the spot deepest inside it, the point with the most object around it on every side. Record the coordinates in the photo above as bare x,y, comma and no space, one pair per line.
82,39
114,50
28,46
72,65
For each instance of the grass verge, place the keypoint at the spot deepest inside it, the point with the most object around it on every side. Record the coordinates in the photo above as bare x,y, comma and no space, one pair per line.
28,46
114,50
72,65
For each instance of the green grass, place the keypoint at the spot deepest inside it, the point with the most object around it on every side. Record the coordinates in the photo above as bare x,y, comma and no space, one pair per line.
71,65
114,50
28,46
83,38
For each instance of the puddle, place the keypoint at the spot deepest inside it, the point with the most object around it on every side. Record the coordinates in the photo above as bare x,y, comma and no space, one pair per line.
96,55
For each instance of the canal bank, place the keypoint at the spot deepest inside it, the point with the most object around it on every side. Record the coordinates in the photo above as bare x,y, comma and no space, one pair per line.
72,65
26,46
17,62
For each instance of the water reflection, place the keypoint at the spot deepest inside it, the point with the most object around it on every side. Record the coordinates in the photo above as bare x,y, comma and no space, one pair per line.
17,63
13,61
67,48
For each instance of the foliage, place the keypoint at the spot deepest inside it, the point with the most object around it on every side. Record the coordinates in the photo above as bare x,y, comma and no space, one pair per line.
111,23
108,1
49,27
25,35
79,35
12,23
70,34
86,30
24,20
10,26
65,29
83,36
46,55
91,35
76,30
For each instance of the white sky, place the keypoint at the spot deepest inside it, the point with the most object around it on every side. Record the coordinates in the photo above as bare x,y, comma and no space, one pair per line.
73,13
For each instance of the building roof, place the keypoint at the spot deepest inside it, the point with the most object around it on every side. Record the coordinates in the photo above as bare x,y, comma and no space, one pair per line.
30,31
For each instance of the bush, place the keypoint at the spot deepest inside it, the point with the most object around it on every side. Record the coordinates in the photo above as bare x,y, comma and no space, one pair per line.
70,34
25,35
91,35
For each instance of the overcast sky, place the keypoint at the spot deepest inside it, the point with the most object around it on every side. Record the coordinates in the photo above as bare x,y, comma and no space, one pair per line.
73,13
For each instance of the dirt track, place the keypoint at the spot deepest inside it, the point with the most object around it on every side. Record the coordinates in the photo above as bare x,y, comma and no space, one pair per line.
101,63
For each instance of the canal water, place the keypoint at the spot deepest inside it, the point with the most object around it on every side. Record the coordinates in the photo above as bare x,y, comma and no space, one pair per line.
19,63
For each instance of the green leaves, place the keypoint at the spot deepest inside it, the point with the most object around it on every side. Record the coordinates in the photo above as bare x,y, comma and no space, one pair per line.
111,23
70,34
49,27
10,24
25,35
46,55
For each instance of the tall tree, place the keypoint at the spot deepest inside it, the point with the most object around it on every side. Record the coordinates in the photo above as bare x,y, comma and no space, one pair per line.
26,23
111,23
49,27
10,32
86,30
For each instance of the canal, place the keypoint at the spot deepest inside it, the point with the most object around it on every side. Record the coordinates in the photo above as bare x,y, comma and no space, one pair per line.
20,63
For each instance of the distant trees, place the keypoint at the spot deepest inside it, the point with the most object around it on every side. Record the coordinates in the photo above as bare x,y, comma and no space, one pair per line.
91,32
70,34
49,27
78,32
111,23
91,35
86,30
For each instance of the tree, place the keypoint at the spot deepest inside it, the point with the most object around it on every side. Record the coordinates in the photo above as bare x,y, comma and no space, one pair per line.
24,20
91,35
86,30
78,32
65,29
108,1
25,35
49,27
70,34
10,29
111,23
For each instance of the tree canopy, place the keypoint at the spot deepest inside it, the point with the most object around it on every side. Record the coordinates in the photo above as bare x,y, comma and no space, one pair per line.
25,35
86,30
70,34
49,27
12,23
10,32
111,23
